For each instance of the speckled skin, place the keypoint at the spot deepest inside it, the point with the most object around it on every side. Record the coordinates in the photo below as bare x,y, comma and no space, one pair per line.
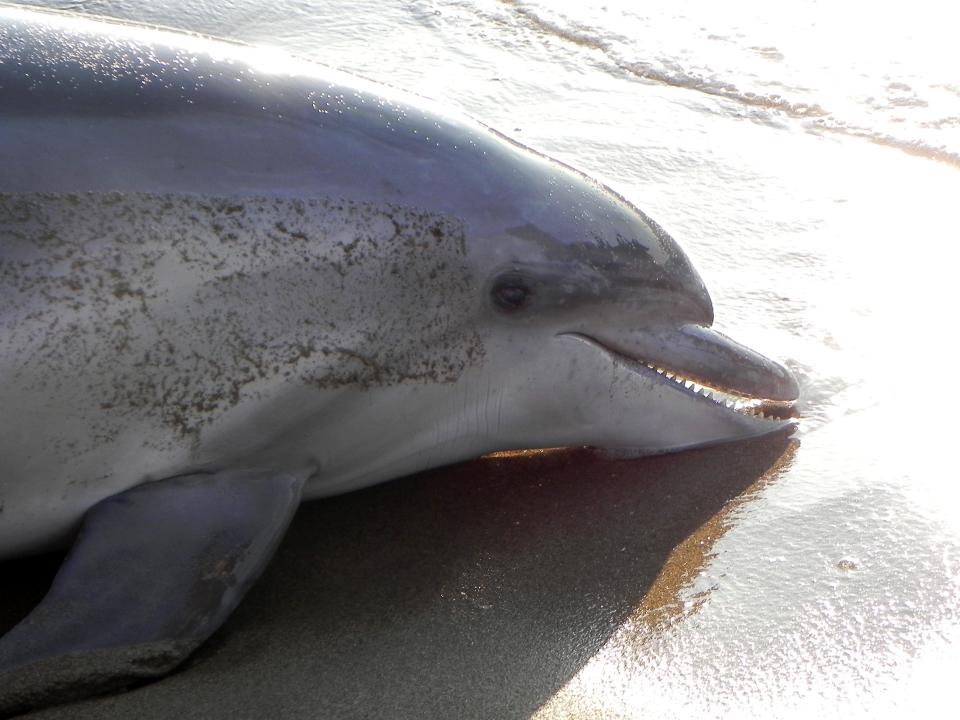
210,257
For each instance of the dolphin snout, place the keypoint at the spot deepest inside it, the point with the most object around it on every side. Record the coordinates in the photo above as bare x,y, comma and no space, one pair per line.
735,367
707,357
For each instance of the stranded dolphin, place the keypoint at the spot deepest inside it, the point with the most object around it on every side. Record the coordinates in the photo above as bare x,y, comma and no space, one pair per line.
229,283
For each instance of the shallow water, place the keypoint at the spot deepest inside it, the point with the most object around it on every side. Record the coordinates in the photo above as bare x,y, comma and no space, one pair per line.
809,162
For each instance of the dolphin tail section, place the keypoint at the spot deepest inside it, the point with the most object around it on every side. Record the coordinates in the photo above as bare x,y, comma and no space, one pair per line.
153,573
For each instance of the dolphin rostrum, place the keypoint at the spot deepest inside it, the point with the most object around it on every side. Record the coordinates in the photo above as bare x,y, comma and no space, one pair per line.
231,281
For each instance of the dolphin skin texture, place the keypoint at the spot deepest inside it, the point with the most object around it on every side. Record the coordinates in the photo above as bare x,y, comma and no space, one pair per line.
230,281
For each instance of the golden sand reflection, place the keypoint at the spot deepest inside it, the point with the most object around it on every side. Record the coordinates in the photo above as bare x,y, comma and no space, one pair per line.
589,694
663,605
530,452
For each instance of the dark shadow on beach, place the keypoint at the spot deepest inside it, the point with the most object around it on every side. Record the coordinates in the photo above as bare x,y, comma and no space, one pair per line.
473,591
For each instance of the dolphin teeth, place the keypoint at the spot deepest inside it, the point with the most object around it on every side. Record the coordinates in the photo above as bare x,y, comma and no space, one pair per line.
751,407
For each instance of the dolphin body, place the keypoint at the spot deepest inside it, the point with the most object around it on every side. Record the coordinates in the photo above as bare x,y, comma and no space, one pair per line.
230,281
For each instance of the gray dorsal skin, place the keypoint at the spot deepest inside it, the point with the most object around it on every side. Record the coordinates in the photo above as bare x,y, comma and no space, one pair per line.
214,259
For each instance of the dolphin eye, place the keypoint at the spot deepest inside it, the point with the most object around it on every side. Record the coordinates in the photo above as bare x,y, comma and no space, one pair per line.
510,293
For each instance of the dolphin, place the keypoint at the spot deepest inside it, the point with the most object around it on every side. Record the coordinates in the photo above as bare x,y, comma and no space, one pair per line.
231,281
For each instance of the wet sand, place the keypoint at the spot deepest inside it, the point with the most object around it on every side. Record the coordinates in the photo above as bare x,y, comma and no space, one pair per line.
474,591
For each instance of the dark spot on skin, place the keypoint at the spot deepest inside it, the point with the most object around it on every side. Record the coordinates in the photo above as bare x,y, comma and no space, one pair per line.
296,234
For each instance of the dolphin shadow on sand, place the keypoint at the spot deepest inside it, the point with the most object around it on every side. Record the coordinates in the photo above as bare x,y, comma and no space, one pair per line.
472,591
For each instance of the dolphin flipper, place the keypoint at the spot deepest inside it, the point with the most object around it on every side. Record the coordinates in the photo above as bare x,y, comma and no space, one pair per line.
153,573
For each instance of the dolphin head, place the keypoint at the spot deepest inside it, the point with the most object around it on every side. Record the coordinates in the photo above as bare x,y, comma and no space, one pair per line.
600,328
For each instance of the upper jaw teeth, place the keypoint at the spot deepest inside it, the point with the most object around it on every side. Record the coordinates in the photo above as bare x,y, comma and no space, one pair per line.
738,403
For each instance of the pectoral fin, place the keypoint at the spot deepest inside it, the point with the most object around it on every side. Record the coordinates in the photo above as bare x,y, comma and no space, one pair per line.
153,573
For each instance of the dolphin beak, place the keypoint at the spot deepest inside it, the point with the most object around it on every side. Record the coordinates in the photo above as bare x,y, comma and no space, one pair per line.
706,357
720,362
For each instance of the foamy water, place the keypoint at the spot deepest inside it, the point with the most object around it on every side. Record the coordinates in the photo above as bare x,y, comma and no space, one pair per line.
807,155
857,68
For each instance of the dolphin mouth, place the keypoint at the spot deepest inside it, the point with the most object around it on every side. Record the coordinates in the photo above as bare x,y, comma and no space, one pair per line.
761,408
709,367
